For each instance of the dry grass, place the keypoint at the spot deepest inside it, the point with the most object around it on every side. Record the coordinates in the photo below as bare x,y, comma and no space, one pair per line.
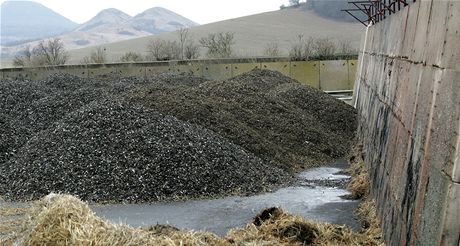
367,214
286,229
65,220
12,211
359,185
8,226
11,220
8,230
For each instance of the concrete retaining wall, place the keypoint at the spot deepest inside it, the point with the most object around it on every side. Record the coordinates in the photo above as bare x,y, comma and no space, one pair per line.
408,101
325,75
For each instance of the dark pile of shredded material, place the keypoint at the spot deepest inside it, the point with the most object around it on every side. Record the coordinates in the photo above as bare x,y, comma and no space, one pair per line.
263,111
167,137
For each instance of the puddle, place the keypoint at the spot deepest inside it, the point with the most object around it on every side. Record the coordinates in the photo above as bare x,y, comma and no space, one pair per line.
220,215
329,173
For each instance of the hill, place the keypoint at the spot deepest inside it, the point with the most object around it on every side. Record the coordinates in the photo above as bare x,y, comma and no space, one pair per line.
111,25
252,33
157,20
333,9
106,19
26,20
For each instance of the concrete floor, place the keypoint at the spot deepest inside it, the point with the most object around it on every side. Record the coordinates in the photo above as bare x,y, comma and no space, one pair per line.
220,215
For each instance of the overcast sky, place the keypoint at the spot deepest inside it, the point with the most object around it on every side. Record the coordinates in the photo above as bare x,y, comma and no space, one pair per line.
201,11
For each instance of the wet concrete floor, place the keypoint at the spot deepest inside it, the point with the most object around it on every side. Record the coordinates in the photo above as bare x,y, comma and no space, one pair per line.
307,199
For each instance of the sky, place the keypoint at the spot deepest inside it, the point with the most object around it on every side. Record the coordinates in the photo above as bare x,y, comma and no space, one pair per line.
200,11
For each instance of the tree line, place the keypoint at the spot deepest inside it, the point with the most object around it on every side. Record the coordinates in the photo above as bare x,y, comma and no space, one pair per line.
306,48
52,52
185,47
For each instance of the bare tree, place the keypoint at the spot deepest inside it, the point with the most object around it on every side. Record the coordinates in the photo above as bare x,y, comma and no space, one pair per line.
272,49
85,60
131,57
302,49
161,50
191,50
345,48
309,48
155,48
296,49
183,34
25,59
218,44
171,51
99,55
324,47
51,53
185,48
20,61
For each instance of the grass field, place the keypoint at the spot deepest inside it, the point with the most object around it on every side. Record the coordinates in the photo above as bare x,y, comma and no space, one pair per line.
252,33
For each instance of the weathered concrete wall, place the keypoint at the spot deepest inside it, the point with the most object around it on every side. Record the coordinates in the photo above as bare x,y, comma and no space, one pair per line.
325,75
408,100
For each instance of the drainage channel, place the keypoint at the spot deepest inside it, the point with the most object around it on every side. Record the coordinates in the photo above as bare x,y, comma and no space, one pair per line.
315,197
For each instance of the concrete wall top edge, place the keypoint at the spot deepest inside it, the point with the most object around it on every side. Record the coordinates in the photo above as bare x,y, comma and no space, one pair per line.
176,62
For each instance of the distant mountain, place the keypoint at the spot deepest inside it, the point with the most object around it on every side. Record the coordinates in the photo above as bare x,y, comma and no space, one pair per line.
106,19
109,25
157,20
26,20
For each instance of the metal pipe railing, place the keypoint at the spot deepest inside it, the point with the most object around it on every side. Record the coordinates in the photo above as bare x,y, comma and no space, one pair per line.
375,10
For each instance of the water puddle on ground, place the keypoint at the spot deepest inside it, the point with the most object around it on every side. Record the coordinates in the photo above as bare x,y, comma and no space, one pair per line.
309,199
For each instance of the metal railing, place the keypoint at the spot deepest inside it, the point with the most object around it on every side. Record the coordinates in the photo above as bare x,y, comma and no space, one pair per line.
375,10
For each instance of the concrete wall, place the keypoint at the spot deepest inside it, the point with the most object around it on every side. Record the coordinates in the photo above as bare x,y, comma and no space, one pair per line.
408,99
325,75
